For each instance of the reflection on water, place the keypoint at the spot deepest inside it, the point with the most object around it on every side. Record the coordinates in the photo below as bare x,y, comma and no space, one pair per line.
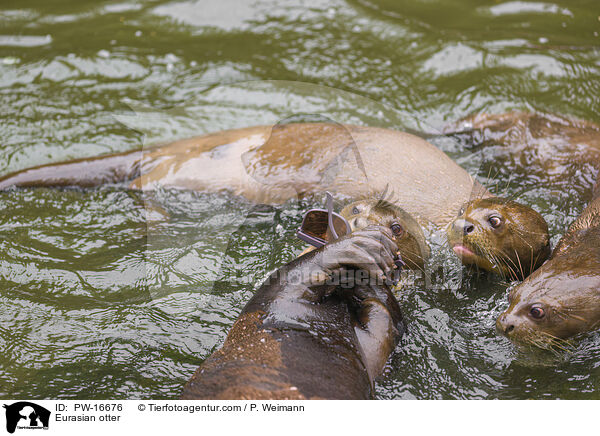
100,302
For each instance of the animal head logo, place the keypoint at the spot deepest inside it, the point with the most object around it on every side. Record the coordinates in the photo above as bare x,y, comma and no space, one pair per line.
26,415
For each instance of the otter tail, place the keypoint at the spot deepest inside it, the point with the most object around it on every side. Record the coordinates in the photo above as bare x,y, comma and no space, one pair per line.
85,173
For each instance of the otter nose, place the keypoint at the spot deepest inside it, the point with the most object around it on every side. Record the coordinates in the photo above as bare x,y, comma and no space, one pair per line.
504,324
463,226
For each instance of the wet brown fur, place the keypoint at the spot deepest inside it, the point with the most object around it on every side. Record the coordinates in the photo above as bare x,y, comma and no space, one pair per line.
293,342
567,286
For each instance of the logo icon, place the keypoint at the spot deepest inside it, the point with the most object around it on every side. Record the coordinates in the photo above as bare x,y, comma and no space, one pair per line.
26,415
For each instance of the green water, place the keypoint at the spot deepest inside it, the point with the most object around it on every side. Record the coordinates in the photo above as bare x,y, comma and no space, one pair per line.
101,296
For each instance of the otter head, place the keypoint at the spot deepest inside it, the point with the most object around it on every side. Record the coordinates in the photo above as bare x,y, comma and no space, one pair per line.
407,232
559,300
556,302
501,236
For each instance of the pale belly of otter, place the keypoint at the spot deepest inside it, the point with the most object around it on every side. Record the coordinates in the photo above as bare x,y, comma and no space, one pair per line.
273,164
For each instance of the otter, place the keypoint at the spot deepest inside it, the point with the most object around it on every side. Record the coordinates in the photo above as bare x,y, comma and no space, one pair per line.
408,234
561,299
354,325
500,235
275,163
320,327
412,247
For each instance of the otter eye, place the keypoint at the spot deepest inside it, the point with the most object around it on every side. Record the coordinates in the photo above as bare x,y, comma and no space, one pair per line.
355,210
461,212
495,221
397,229
537,312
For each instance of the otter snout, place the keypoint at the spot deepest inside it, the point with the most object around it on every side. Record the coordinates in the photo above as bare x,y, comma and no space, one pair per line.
462,226
506,323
